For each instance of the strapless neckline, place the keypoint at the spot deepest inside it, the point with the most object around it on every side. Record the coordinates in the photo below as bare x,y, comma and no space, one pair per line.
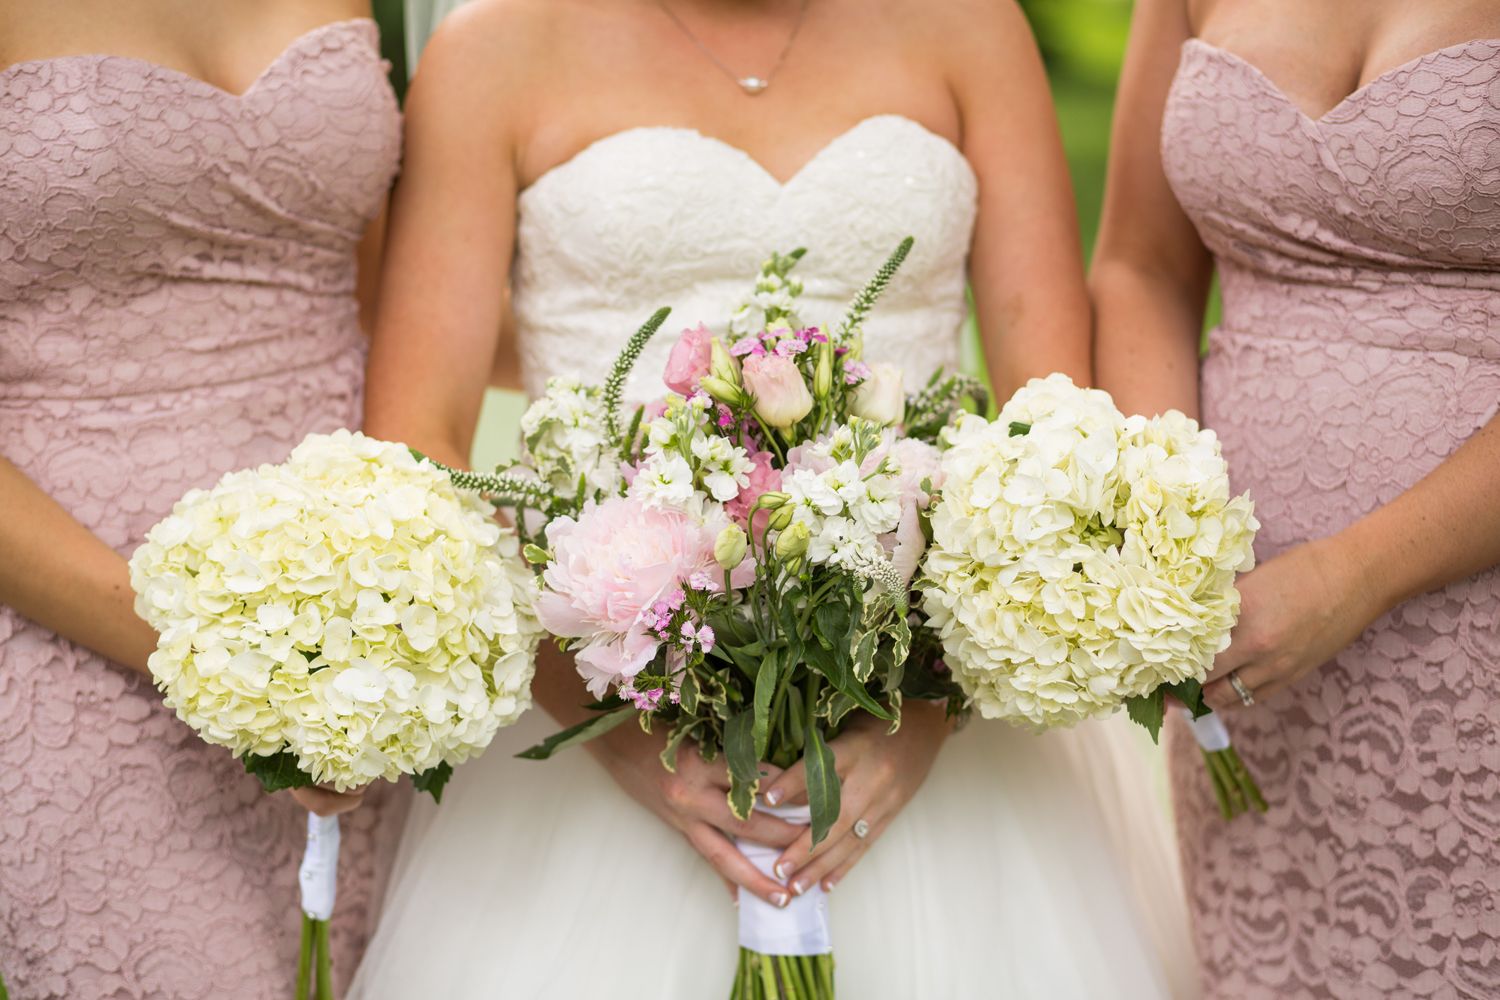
295,46
1354,97
601,145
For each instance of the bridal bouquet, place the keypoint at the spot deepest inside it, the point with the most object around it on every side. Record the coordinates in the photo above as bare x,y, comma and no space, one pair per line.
345,616
732,564
1082,560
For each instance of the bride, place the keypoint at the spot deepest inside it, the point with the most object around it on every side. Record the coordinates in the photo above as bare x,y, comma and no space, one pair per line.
613,156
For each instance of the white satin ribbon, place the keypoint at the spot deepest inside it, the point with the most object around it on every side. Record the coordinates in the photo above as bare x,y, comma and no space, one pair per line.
1209,730
801,928
318,875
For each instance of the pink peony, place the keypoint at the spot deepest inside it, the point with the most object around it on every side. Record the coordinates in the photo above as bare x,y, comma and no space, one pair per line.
780,391
764,478
613,571
689,360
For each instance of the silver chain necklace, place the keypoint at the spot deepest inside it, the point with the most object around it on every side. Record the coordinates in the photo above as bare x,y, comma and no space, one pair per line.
751,85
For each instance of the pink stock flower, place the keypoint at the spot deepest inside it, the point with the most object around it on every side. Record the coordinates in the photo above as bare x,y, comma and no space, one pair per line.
616,572
689,360
856,372
764,478
749,345
780,391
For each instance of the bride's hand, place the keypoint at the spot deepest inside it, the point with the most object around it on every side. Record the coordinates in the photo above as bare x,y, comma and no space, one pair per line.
694,802
324,801
879,773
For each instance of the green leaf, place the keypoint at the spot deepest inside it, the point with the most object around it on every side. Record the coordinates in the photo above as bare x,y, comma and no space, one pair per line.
1149,711
822,782
278,771
744,769
831,623
581,733
1190,693
1019,429
674,742
834,665
864,655
765,690
688,694
432,780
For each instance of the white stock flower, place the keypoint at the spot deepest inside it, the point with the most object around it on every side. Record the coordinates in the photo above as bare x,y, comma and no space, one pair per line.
1080,558
350,606
566,440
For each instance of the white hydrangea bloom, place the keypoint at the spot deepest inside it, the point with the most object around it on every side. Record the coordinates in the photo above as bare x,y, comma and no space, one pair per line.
1080,558
566,440
350,606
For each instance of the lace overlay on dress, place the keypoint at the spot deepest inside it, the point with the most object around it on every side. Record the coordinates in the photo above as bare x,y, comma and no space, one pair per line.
674,217
1360,260
177,269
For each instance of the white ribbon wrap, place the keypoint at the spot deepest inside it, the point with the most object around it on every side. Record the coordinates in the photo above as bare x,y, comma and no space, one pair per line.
318,875
799,929
1209,730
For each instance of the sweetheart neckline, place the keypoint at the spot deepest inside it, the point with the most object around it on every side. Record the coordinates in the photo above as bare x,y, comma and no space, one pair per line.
778,183
292,47
1353,96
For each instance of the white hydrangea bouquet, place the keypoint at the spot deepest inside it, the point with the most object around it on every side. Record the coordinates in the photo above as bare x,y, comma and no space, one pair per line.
346,616
733,562
1082,561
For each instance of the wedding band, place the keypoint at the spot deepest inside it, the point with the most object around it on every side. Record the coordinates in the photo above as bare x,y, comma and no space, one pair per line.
861,829
1247,698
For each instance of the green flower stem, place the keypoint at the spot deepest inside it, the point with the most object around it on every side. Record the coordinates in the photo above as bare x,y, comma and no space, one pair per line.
1216,779
782,977
304,960
325,971
1243,780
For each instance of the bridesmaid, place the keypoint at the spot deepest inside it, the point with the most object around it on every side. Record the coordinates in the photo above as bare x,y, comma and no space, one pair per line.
1338,163
179,221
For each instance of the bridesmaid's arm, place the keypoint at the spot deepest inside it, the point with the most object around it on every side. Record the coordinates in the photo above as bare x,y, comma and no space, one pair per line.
1302,608
1151,272
1025,264
62,576
367,282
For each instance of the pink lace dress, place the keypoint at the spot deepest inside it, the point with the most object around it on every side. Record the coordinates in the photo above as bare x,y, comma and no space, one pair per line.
1359,255
177,270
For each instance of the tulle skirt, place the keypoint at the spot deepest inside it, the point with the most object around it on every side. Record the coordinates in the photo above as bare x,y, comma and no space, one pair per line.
1026,867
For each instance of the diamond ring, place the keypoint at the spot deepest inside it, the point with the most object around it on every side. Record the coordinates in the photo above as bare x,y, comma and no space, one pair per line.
1247,697
861,829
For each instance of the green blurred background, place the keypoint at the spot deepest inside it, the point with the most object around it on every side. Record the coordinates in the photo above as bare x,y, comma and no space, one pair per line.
1082,41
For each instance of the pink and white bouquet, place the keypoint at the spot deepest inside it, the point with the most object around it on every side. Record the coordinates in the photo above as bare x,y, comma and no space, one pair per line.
733,563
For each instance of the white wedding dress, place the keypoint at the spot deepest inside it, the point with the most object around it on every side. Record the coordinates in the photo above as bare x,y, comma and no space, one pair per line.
1008,875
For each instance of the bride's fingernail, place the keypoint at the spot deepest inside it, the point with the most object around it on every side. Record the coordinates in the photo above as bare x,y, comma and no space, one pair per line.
773,796
780,899
798,888
782,869
828,884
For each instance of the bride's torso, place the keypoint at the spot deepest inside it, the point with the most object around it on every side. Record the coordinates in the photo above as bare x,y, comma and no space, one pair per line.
659,216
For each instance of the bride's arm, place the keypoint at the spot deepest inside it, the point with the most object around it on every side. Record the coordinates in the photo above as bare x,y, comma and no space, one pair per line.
1026,265
439,328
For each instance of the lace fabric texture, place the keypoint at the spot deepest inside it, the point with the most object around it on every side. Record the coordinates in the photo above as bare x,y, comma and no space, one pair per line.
666,216
1359,255
177,269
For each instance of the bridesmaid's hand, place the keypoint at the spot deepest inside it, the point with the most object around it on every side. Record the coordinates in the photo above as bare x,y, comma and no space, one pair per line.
694,801
879,773
1297,612
324,801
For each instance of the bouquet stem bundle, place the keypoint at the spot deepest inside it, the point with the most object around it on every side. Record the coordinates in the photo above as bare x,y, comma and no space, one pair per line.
783,977
318,879
1233,785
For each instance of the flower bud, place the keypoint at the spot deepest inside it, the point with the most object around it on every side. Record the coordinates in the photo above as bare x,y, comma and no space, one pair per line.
880,398
823,378
772,499
792,543
781,396
724,392
780,519
729,547
721,365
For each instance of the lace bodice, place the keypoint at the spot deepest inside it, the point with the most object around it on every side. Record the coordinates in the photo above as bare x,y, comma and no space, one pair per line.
667,216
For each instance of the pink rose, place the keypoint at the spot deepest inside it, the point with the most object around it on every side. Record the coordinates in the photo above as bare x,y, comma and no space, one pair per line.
610,566
764,478
689,360
780,391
